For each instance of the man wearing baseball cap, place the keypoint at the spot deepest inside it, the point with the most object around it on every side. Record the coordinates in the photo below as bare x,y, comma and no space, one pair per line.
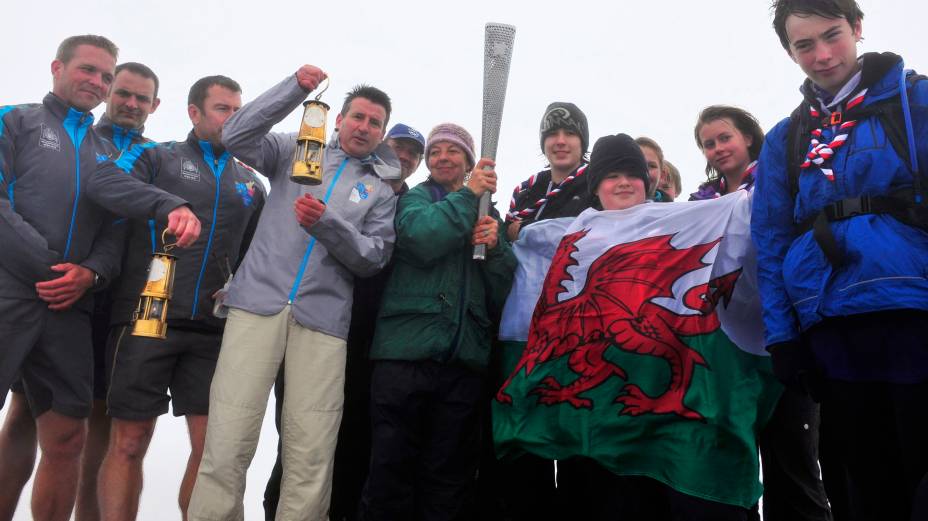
560,190
409,145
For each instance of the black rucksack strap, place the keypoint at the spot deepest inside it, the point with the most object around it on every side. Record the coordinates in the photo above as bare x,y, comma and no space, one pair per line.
899,205
908,206
797,145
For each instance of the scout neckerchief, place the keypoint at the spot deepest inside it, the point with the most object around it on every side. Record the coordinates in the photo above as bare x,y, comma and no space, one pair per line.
550,193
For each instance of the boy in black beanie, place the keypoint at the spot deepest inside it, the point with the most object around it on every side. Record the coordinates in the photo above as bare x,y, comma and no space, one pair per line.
618,173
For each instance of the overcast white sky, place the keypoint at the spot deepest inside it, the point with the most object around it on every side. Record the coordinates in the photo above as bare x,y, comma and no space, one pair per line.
643,68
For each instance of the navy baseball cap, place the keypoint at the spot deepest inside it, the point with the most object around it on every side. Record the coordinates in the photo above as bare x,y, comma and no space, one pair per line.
401,131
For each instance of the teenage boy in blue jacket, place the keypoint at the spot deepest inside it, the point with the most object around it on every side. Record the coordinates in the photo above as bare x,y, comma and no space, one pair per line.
842,253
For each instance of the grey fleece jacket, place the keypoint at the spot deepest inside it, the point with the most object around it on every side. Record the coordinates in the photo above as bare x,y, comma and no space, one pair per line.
48,152
312,269
226,197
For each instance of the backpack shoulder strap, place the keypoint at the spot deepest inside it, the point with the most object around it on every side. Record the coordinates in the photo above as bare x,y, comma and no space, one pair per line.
797,145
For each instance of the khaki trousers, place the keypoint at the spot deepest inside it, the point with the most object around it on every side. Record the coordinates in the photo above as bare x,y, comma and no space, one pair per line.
253,347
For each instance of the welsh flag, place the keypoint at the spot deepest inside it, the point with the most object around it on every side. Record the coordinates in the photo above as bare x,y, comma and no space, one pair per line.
634,337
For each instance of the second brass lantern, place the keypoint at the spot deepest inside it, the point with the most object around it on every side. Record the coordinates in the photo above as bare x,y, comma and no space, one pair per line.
310,142
152,313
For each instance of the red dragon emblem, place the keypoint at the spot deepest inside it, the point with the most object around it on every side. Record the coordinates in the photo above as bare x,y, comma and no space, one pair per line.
616,308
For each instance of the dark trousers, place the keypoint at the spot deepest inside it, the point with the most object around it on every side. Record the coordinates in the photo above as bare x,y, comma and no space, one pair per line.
425,421
883,444
607,497
793,490
527,487
876,428
920,505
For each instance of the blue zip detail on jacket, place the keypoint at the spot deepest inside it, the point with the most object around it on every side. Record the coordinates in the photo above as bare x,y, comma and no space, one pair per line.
3,111
75,125
9,193
154,238
312,240
128,157
122,137
9,188
217,166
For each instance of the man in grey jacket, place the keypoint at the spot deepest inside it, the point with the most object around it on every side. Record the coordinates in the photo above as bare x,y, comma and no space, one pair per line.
291,298
57,246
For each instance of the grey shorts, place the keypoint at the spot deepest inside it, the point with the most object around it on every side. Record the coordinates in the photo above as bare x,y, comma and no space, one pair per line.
51,353
142,370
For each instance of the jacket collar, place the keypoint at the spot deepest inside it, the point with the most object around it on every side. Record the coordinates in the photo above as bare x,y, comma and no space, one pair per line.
382,162
115,132
62,110
875,75
200,144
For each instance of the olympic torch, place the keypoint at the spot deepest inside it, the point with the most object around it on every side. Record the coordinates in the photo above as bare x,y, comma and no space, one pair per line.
497,55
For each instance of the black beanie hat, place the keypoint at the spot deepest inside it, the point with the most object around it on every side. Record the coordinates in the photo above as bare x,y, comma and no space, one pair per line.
561,114
618,153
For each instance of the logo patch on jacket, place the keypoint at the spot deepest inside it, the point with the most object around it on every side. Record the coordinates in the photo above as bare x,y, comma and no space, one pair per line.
246,191
360,192
189,170
48,138
102,157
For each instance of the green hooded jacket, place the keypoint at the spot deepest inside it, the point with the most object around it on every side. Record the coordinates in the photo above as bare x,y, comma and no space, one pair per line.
439,303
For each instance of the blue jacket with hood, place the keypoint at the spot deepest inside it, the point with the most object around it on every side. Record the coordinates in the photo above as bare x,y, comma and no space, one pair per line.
886,261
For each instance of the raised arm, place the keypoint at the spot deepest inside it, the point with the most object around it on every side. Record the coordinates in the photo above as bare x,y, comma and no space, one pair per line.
247,134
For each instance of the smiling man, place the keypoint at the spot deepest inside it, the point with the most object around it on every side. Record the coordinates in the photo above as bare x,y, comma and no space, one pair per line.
132,97
842,250
58,249
290,301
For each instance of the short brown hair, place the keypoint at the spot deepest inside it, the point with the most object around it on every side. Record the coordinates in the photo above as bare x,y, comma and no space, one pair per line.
674,174
833,9
372,94
67,47
644,141
198,91
140,69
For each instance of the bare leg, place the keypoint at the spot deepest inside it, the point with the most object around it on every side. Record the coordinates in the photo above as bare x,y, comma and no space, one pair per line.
120,480
17,454
196,426
61,439
98,437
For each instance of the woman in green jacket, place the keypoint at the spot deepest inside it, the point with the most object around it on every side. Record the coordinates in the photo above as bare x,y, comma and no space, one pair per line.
432,343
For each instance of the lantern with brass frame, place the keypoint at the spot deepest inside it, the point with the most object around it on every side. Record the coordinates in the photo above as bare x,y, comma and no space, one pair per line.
151,315
310,142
